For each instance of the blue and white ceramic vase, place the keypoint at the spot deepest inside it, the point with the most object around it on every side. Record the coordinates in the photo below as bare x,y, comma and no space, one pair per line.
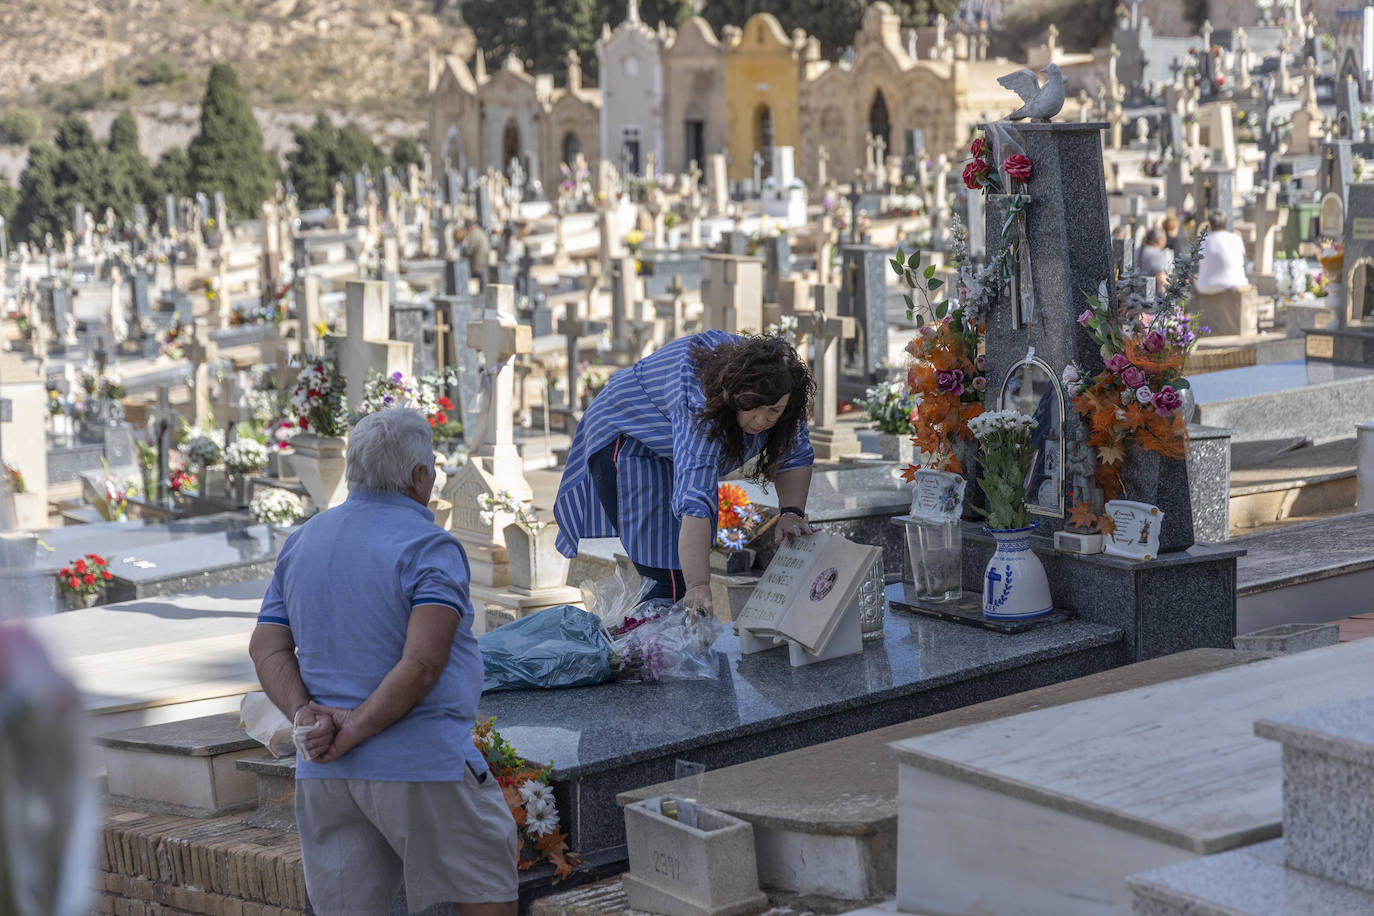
1014,583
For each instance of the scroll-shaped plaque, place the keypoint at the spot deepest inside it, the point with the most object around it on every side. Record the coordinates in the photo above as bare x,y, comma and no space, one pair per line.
938,496
1136,536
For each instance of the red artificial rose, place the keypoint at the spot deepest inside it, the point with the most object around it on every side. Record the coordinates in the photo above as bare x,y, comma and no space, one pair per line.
64,572
305,423
107,574
74,582
80,566
980,146
974,173
88,579
1017,166
441,418
445,403
431,422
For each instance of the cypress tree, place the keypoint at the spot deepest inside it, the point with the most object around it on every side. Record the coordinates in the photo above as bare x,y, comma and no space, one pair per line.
405,152
310,164
227,155
81,171
39,211
172,174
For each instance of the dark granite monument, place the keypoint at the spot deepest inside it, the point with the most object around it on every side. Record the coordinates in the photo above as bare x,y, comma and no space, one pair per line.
1351,342
863,297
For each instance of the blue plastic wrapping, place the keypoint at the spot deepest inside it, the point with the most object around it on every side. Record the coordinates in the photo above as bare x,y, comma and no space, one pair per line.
560,646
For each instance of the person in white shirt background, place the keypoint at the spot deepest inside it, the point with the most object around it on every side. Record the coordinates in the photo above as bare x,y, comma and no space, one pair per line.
1222,266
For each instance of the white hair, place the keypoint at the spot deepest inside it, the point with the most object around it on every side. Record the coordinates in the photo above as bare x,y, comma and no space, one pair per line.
385,447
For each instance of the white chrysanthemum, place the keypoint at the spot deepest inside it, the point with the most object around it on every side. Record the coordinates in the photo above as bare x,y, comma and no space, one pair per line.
245,455
542,822
530,790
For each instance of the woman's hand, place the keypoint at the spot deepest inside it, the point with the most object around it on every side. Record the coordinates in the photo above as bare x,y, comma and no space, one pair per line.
789,525
698,598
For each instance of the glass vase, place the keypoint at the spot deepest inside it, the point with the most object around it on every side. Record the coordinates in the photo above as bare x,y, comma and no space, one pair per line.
936,551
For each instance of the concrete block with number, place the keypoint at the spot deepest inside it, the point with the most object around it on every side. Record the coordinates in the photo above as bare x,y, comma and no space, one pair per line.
677,870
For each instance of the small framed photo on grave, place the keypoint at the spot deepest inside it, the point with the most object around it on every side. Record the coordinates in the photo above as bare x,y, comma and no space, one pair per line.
1032,388
937,496
1136,535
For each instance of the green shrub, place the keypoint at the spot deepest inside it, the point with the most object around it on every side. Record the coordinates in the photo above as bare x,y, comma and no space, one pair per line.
160,71
19,126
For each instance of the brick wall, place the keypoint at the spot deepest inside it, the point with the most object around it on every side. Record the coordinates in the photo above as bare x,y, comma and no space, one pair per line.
159,865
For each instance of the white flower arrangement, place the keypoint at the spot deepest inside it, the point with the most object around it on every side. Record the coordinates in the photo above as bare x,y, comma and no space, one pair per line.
505,503
998,421
204,450
274,506
245,456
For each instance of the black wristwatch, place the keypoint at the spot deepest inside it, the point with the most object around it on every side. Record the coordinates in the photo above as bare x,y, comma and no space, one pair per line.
794,510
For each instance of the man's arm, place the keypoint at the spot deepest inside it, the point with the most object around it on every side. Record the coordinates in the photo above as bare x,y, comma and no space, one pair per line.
273,650
429,636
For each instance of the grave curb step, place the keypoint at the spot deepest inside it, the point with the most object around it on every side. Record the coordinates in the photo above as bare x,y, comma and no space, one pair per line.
607,897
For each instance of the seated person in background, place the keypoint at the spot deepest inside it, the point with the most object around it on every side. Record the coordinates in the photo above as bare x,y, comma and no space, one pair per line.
1222,267
1155,259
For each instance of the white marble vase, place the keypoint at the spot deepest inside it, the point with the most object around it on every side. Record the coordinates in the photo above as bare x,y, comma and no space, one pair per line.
319,463
535,562
1014,582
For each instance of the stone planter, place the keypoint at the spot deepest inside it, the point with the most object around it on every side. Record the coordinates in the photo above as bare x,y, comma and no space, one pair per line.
710,868
896,448
535,562
75,601
319,463
279,463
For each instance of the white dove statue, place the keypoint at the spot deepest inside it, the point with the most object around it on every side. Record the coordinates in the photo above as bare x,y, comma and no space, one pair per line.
1041,100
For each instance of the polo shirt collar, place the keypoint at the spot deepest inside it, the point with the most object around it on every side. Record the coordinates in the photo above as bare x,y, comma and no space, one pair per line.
390,499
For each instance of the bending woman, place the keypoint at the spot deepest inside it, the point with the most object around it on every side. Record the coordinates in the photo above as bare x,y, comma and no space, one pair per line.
648,455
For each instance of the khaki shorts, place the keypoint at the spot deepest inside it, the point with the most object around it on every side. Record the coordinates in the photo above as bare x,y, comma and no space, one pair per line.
449,842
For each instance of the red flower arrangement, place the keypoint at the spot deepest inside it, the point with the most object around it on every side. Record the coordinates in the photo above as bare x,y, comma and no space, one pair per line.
83,579
1018,167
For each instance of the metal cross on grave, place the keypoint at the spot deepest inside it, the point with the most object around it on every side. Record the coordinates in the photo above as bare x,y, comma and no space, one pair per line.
573,327
164,423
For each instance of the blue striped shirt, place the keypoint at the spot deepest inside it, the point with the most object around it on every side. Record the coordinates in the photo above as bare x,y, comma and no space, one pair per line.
655,402
345,585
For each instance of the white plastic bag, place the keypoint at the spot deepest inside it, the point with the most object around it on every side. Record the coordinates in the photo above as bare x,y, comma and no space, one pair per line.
266,724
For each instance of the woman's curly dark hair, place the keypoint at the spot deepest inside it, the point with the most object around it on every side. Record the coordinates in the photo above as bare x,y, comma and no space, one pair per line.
742,374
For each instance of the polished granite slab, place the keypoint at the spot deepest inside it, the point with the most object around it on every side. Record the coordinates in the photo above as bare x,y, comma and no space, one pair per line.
1297,554
221,558
1245,882
611,738
845,494
1177,764
113,538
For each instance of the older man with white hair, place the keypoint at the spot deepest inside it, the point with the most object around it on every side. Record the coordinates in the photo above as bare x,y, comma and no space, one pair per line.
366,633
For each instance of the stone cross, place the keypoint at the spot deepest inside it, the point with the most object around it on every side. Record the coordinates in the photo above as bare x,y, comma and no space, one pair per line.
1114,88
164,423
1052,41
672,309
365,347
879,153
828,330
500,338
758,172
822,158
1269,220
1242,50
696,207
203,352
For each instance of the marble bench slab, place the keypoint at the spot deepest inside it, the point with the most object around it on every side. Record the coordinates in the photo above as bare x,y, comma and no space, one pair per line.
185,768
825,817
1058,806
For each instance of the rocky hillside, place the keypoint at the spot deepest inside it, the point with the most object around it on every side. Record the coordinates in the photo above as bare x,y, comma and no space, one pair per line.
361,60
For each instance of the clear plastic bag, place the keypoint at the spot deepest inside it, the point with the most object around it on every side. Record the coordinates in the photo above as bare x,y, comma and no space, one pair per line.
654,640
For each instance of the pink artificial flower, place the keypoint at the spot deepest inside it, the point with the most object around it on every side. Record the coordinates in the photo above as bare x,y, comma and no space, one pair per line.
1132,377
1153,342
1117,363
949,380
1144,395
1085,317
980,384
980,363
1167,401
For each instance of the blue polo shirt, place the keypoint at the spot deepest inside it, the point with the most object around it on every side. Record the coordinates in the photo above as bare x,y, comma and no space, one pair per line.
345,585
